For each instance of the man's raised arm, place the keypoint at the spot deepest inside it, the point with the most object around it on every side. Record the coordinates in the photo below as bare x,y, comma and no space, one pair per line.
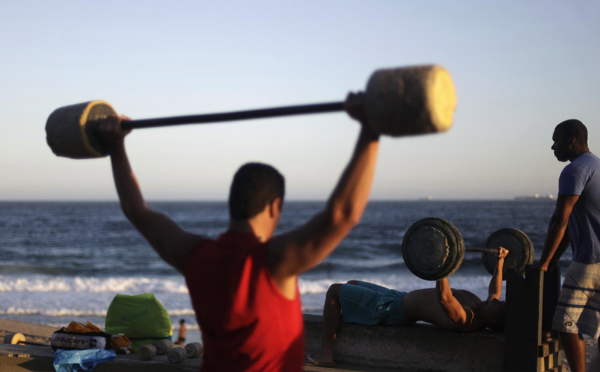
171,242
453,309
297,251
495,288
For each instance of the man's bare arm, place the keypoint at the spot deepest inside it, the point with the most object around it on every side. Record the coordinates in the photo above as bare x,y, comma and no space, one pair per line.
172,243
495,288
297,251
562,247
556,230
453,309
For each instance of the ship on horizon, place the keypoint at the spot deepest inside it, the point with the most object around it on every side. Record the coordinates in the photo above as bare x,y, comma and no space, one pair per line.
537,197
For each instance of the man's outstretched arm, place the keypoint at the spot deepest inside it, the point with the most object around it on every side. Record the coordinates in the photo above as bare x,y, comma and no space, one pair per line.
453,309
495,288
171,242
297,251
556,244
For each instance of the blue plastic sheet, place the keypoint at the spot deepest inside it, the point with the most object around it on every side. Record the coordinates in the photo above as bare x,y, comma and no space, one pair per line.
76,360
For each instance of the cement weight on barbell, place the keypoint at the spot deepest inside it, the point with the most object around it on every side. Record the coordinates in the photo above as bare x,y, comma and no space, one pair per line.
520,250
433,249
398,102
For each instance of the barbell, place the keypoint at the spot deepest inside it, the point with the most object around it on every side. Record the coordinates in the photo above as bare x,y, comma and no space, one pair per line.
19,339
434,249
398,102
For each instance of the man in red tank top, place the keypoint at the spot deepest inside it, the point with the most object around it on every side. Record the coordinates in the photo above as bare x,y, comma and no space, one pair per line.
243,285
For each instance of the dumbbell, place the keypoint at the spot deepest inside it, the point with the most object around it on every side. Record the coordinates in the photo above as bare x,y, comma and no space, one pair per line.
163,346
194,350
19,339
146,352
433,249
398,102
177,355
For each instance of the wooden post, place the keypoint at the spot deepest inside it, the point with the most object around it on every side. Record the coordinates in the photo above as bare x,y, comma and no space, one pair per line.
549,351
530,343
551,295
523,334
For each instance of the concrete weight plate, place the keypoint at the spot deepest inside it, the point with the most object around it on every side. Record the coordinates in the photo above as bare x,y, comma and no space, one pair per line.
520,250
71,130
433,249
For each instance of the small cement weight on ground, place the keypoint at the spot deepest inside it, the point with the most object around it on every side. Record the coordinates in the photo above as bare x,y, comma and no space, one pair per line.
146,352
194,350
163,346
176,355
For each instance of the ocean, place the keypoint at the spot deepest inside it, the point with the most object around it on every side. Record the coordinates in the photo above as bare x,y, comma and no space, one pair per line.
64,261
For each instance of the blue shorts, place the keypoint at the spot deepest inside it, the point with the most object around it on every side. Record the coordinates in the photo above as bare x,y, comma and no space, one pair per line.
371,304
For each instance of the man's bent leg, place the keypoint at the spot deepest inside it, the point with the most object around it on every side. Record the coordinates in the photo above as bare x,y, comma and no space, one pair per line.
356,305
574,347
331,322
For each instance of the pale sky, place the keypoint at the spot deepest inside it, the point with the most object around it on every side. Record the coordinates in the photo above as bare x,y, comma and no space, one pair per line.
519,67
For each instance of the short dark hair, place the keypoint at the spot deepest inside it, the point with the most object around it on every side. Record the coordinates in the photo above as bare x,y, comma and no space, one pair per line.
254,186
573,128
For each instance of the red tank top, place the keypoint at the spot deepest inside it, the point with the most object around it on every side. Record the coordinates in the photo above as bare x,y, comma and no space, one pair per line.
246,323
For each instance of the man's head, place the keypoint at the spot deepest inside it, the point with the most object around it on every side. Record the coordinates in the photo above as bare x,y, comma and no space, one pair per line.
570,139
492,313
254,186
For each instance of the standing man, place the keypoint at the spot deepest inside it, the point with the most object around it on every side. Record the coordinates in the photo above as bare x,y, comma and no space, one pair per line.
576,221
244,285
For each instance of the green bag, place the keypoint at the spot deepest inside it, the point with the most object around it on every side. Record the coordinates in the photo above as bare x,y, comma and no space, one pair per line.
142,318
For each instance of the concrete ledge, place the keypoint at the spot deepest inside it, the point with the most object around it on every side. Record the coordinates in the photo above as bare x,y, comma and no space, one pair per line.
21,358
420,347
417,348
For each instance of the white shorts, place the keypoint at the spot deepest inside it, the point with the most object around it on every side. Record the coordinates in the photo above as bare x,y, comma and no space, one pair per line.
578,309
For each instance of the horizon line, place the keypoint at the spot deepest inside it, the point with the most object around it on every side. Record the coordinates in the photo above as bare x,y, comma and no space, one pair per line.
286,200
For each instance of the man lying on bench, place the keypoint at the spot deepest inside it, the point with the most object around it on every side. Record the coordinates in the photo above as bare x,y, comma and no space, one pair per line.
370,304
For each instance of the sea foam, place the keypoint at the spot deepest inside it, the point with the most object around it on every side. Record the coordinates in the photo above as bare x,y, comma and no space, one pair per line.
44,283
175,284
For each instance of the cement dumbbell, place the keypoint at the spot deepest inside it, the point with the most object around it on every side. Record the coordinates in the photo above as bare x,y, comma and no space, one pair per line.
19,339
398,102
146,352
163,346
194,350
15,339
433,249
177,355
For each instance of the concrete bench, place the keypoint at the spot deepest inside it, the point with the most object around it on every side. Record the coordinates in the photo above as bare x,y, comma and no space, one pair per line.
420,347
527,345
